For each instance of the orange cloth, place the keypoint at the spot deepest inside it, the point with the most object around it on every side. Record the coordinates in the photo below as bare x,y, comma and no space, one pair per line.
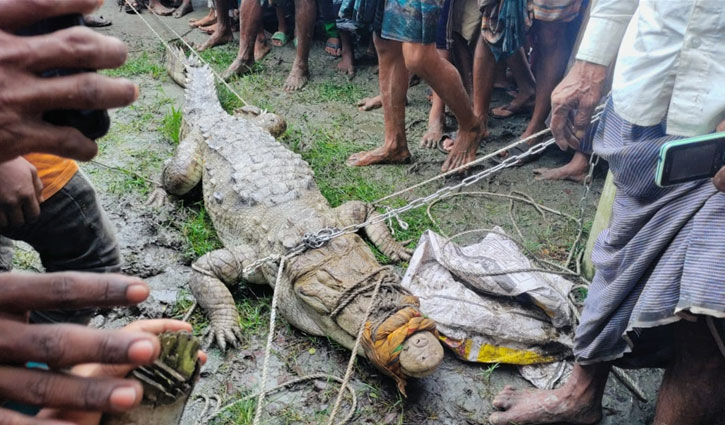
54,172
383,348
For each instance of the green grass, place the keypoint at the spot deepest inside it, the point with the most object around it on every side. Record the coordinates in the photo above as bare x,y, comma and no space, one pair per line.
486,373
124,182
254,314
171,125
199,233
333,91
139,65
242,413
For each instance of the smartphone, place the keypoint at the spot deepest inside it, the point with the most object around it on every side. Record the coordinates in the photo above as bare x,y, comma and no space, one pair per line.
93,124
695,158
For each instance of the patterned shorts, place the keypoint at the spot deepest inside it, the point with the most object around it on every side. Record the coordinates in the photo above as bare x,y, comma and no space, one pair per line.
413,21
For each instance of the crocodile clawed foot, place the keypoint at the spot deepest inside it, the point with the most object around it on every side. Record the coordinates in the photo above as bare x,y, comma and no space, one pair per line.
224,336
158,198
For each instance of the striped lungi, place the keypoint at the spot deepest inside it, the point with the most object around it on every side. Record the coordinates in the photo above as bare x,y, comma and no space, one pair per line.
661,258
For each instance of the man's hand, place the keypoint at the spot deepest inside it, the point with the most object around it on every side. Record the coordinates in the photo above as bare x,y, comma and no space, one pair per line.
62,346
24,96
19,193
573,102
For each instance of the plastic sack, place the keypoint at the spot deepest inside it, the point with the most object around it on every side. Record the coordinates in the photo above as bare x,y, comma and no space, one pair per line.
516,318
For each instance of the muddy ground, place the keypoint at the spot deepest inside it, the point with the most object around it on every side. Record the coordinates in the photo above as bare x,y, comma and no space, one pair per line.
325,127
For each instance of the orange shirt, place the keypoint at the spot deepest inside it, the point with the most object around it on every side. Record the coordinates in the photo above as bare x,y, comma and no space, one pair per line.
54,172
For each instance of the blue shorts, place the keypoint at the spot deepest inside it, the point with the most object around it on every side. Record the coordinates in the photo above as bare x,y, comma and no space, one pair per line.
412,21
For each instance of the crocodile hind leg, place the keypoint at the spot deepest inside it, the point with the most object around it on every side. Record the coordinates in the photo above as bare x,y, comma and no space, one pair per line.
212,273
355,212
182,171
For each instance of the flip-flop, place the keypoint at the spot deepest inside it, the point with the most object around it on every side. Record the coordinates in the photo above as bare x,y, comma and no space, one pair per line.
524,109
95,21
336,46
444,137
281,37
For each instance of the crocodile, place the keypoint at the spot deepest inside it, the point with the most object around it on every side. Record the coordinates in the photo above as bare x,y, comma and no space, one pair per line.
262,199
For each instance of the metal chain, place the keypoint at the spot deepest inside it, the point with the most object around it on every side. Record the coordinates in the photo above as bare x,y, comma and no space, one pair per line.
593,162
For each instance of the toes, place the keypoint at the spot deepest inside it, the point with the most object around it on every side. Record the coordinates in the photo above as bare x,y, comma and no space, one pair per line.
499,418
221,340
230,337
238,334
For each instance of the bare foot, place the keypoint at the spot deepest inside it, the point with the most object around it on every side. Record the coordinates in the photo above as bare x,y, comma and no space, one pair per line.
209,19
432,136
346,66
297,78
464,148
159,9
209,29
240,66
182,10
378,156
544,407
575,170
261,48
370,103
217,39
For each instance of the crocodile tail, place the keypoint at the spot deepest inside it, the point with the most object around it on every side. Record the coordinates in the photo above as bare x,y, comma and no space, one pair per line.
201,95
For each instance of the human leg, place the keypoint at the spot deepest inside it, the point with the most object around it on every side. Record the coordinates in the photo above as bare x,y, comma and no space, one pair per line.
72,233
424,61
261,48
279,38
304,26
484,73
184,8
691,392
553,54
347,64
223,31
526,93
250,25
393,79
579,401
437,116
209,19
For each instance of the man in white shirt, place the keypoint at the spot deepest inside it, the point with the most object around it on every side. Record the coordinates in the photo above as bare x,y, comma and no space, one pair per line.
658,297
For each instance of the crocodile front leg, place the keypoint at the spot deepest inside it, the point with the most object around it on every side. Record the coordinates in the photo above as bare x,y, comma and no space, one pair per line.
355,212
183,170
211,275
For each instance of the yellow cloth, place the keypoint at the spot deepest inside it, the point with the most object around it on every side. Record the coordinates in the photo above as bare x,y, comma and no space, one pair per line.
54,172
383,348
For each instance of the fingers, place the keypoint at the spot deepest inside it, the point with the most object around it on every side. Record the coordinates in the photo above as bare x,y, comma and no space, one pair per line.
39,136
62,345
87,90
68,290
8,417
48,389
74,48
560,125
719,180
158,326
16,14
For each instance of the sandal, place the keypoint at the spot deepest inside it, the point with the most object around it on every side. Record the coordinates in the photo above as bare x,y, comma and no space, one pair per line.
280,37
513,110
441,142
95,21
334,46
129,6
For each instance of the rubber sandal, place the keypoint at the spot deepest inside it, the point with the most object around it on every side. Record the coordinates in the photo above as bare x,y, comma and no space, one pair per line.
525,109
336,46
281,37
94,21
441,141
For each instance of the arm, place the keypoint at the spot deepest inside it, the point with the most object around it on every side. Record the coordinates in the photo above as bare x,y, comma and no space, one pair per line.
574,99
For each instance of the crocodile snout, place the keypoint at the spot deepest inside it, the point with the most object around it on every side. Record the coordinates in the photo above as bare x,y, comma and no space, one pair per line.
422,353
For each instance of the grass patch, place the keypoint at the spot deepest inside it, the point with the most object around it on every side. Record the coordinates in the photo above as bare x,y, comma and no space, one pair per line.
242,413
253,314
199,233
332,91
125,182
142,64
171,125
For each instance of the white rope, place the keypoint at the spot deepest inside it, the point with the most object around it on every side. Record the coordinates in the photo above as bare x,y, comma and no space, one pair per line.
268,347
355,348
